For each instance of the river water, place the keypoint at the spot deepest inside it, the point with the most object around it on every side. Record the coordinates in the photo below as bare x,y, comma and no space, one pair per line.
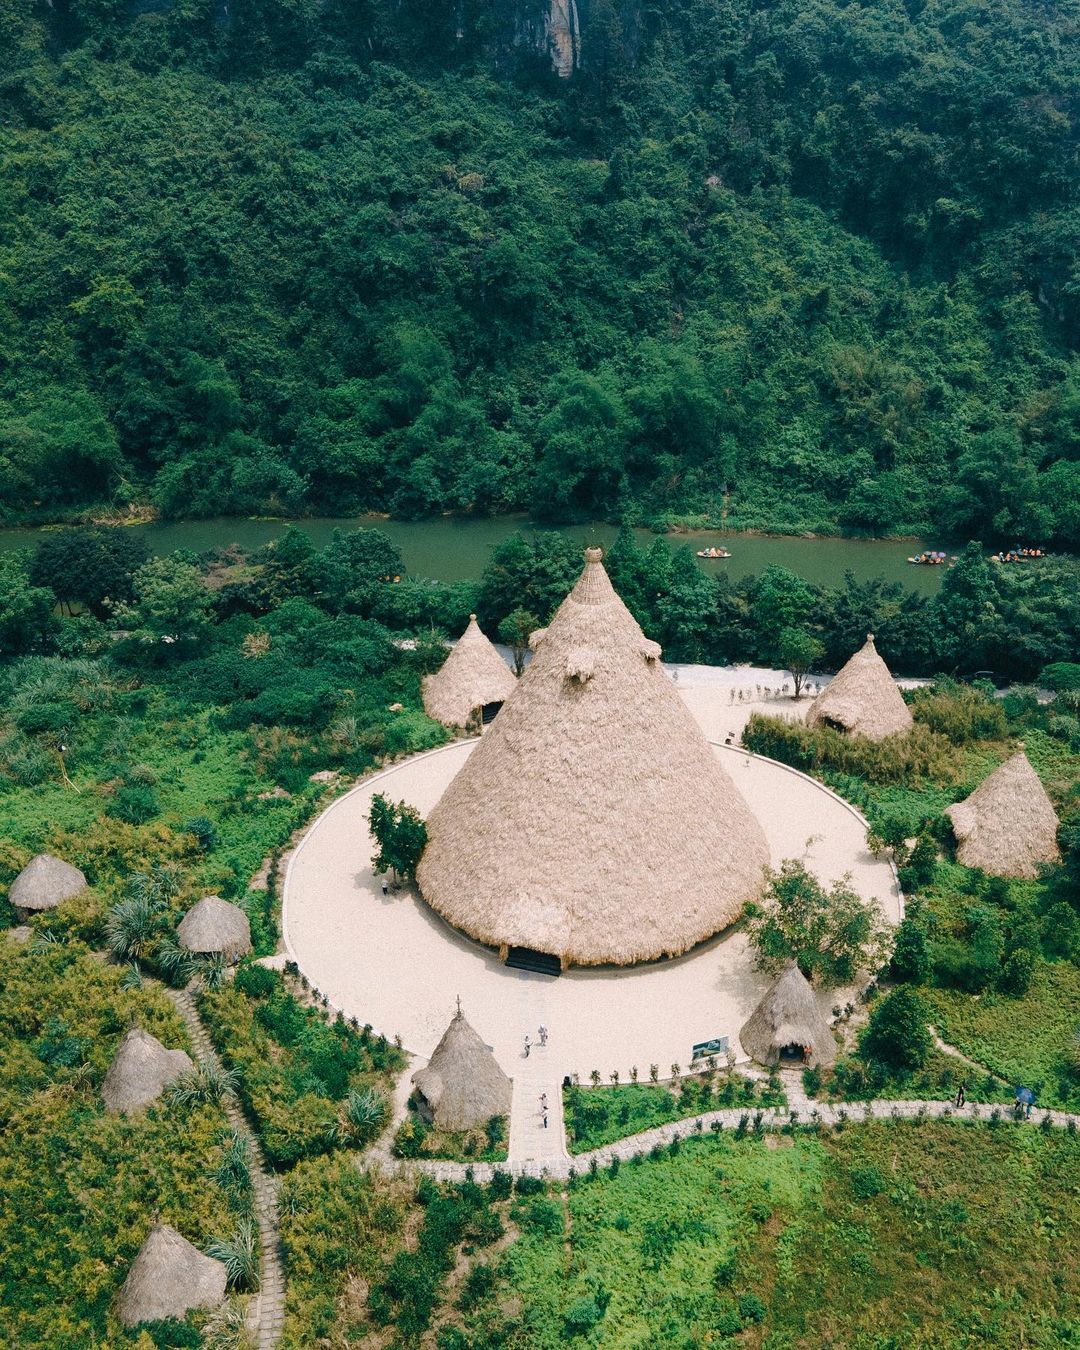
458,549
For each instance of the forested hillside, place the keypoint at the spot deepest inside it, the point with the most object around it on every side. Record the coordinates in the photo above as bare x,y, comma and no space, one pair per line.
812,261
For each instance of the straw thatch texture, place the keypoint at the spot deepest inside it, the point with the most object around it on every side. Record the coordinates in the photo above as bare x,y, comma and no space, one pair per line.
593,821
44,883
168,1278
472,675
214,925
140,1070
462,1084
788,1015
1008,826
862,698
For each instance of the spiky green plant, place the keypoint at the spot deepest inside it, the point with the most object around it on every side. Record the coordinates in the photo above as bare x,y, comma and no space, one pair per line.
214,969
45,942
132,927
205,1082
365,1114
132,977
178,964
226,1328
240,1256
233,1172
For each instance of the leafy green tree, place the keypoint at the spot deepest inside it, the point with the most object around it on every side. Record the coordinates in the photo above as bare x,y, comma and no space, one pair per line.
89,566
171,609
910,962
514,632
63,450
354,566
528,571
400,835
780,600
832,934
27,623
897,1033
798,652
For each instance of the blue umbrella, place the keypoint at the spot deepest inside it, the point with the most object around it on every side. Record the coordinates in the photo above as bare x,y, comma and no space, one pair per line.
1025,1096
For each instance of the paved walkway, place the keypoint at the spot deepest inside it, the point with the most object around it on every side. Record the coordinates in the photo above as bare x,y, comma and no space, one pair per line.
268,1305
771,1121
530,1140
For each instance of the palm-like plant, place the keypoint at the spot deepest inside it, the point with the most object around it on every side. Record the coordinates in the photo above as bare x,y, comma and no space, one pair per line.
233,1172
158,886
205,1082
45,942
240,1256
226,1328
365,1114
176,962
132,977
131,928
213,967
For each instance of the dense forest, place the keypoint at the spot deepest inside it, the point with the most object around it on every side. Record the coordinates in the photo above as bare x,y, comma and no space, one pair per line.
799,265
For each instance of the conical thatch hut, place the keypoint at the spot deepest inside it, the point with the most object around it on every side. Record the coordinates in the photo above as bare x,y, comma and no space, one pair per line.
462,1086
44,883
215,925
1008,826
593,822
140,1070
786,1024
473,677
168,1278
862,698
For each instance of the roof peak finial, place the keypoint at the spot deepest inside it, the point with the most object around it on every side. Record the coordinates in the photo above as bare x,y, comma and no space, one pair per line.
593,555
472,618
459,1005
869,637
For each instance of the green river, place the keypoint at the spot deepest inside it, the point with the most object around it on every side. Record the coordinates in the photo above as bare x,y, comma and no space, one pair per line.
457,549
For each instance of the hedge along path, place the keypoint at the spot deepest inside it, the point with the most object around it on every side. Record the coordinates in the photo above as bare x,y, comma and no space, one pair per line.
269,1302
772,1121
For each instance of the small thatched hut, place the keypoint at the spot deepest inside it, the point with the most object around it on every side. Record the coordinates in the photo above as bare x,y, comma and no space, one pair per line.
474,679
215,925
786,1026
593,822
168,1278
862,698
462,1086
44,883
1008,826
140,1070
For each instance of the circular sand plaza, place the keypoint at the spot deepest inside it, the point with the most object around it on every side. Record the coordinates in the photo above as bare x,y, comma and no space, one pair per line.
393,962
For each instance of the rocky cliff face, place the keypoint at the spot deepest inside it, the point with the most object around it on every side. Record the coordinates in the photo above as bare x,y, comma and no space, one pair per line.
564,36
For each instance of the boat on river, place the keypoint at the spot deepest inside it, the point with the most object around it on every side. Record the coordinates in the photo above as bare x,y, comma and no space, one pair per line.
713,553
933,558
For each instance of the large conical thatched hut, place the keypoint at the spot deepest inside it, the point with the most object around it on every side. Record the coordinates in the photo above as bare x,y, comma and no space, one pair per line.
593,822
168,1278
1008,826
787,1026
44,883
215,925
140,1070
462,1086
862,698
474,681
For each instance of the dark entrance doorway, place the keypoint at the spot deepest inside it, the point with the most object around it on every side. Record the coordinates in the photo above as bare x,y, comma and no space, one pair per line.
525,958
488,713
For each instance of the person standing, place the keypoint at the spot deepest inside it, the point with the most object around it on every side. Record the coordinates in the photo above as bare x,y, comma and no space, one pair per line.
961,1095
385,887
528,1047
543,1035
545,1120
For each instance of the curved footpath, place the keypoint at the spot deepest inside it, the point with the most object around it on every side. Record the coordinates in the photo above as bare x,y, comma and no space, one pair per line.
268,1305
773,1120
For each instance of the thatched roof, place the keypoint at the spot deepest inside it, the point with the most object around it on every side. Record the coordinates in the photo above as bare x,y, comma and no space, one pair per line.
215,925
593,821
462,1083
1008,826
862,698
168,1278
45,882
473,674
140,1070
788,1015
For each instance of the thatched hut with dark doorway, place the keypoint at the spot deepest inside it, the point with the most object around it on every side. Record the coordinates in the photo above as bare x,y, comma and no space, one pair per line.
593,823
462,1085
44,883
169,1278
1008,825
786,1027
140,1071
215,926
862,699
472,684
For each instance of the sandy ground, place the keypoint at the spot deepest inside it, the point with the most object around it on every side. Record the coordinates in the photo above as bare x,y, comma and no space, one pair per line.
394,963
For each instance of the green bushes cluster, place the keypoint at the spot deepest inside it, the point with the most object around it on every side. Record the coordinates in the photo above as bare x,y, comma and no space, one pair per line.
911,757
298,1071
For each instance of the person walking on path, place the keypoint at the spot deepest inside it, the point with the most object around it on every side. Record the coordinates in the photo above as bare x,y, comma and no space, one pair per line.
528,1047
543,1101
543,1035
545,1120
961,1094
385,887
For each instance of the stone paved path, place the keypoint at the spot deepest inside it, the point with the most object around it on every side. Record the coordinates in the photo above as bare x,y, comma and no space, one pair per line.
268,1305
534,1078
772,1120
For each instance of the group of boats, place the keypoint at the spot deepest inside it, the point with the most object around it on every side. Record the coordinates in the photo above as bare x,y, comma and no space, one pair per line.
932,559
935,558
